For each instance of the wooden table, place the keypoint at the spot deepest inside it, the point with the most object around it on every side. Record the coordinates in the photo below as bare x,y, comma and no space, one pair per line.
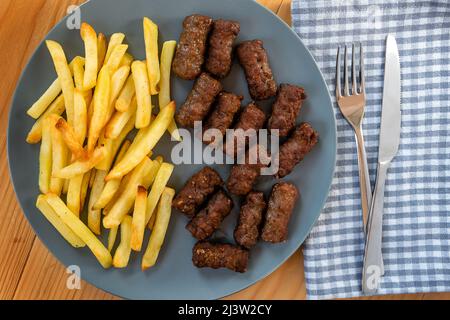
27,269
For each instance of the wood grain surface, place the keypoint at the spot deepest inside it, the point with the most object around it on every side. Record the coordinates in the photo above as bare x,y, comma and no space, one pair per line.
27,269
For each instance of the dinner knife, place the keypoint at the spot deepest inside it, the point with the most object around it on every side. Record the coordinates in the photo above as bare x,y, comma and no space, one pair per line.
389,142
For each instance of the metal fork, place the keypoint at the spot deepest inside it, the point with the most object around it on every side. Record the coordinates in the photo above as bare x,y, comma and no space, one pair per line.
352,107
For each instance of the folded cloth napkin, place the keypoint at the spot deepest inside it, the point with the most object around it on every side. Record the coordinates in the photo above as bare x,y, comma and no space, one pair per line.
416,222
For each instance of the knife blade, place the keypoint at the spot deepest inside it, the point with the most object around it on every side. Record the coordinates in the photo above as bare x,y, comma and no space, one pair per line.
389,142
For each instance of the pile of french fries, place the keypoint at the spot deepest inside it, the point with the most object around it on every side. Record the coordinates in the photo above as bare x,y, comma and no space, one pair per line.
82,121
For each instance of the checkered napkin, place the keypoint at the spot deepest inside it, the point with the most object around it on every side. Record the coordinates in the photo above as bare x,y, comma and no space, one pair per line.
416,224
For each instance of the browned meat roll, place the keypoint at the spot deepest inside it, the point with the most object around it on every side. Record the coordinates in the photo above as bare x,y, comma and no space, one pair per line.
199,102
281,204
253,58
247,230
220,50
228,104
208,220
286,108
252,117
292,152
209,255
196,190
190,54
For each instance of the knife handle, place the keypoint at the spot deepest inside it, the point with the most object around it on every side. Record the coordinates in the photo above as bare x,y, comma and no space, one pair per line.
373,267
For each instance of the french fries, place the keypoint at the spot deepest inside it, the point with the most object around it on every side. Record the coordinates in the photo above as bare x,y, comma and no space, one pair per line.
112,235
79,228
142,86
74,194
85,187
151,52
168,51
138,224
100,111
58,223
60,155
81,118
159,230
119,121
122,254
90,39
111,187
39,107
94,215
161,180
45,157
140,148
127,60
70,138
102,46
78,71
116,57
115,40
64,75
126,96
81,166
117,82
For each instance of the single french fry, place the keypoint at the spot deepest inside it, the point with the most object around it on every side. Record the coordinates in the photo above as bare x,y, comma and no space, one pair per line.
151,51
140,148
126,60
56,108
159,231
90,39
117,82
116,57
66,183
126,199
71,140
138,224
128,92
81,166
85,187
122,254
58,223
142,86
78,71
80,229
64,75
119,121
160,183
168,51
45,157
100,111
111,187
80,116
94,216
102,46
60,155
115,40
112,146
74,194
112,235
151,223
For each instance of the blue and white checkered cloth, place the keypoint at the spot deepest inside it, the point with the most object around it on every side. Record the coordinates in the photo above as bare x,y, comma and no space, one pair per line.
416,226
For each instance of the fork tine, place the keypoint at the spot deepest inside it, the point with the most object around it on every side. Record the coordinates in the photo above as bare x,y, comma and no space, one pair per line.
338,73
353,71
346,90
362,88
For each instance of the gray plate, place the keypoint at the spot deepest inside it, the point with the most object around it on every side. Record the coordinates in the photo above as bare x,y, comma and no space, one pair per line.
174,277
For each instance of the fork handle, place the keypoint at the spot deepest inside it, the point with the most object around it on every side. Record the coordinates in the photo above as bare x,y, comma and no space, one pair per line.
372,268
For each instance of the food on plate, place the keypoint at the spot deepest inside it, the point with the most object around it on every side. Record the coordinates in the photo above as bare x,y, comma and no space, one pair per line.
80,229
80,166
190,54
115,59
123,252
252,117
209,219
60,155
119,120
247,231
95,215
144,101
159,230
199,102
71,139
115,40
286,108
151,52
126,96
196,190
228,104
138,225
80,120
281,205
90,39
292,152
244,176
218,255
102,46
74,194
118,80
220,50
112,236
45,157
253,58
